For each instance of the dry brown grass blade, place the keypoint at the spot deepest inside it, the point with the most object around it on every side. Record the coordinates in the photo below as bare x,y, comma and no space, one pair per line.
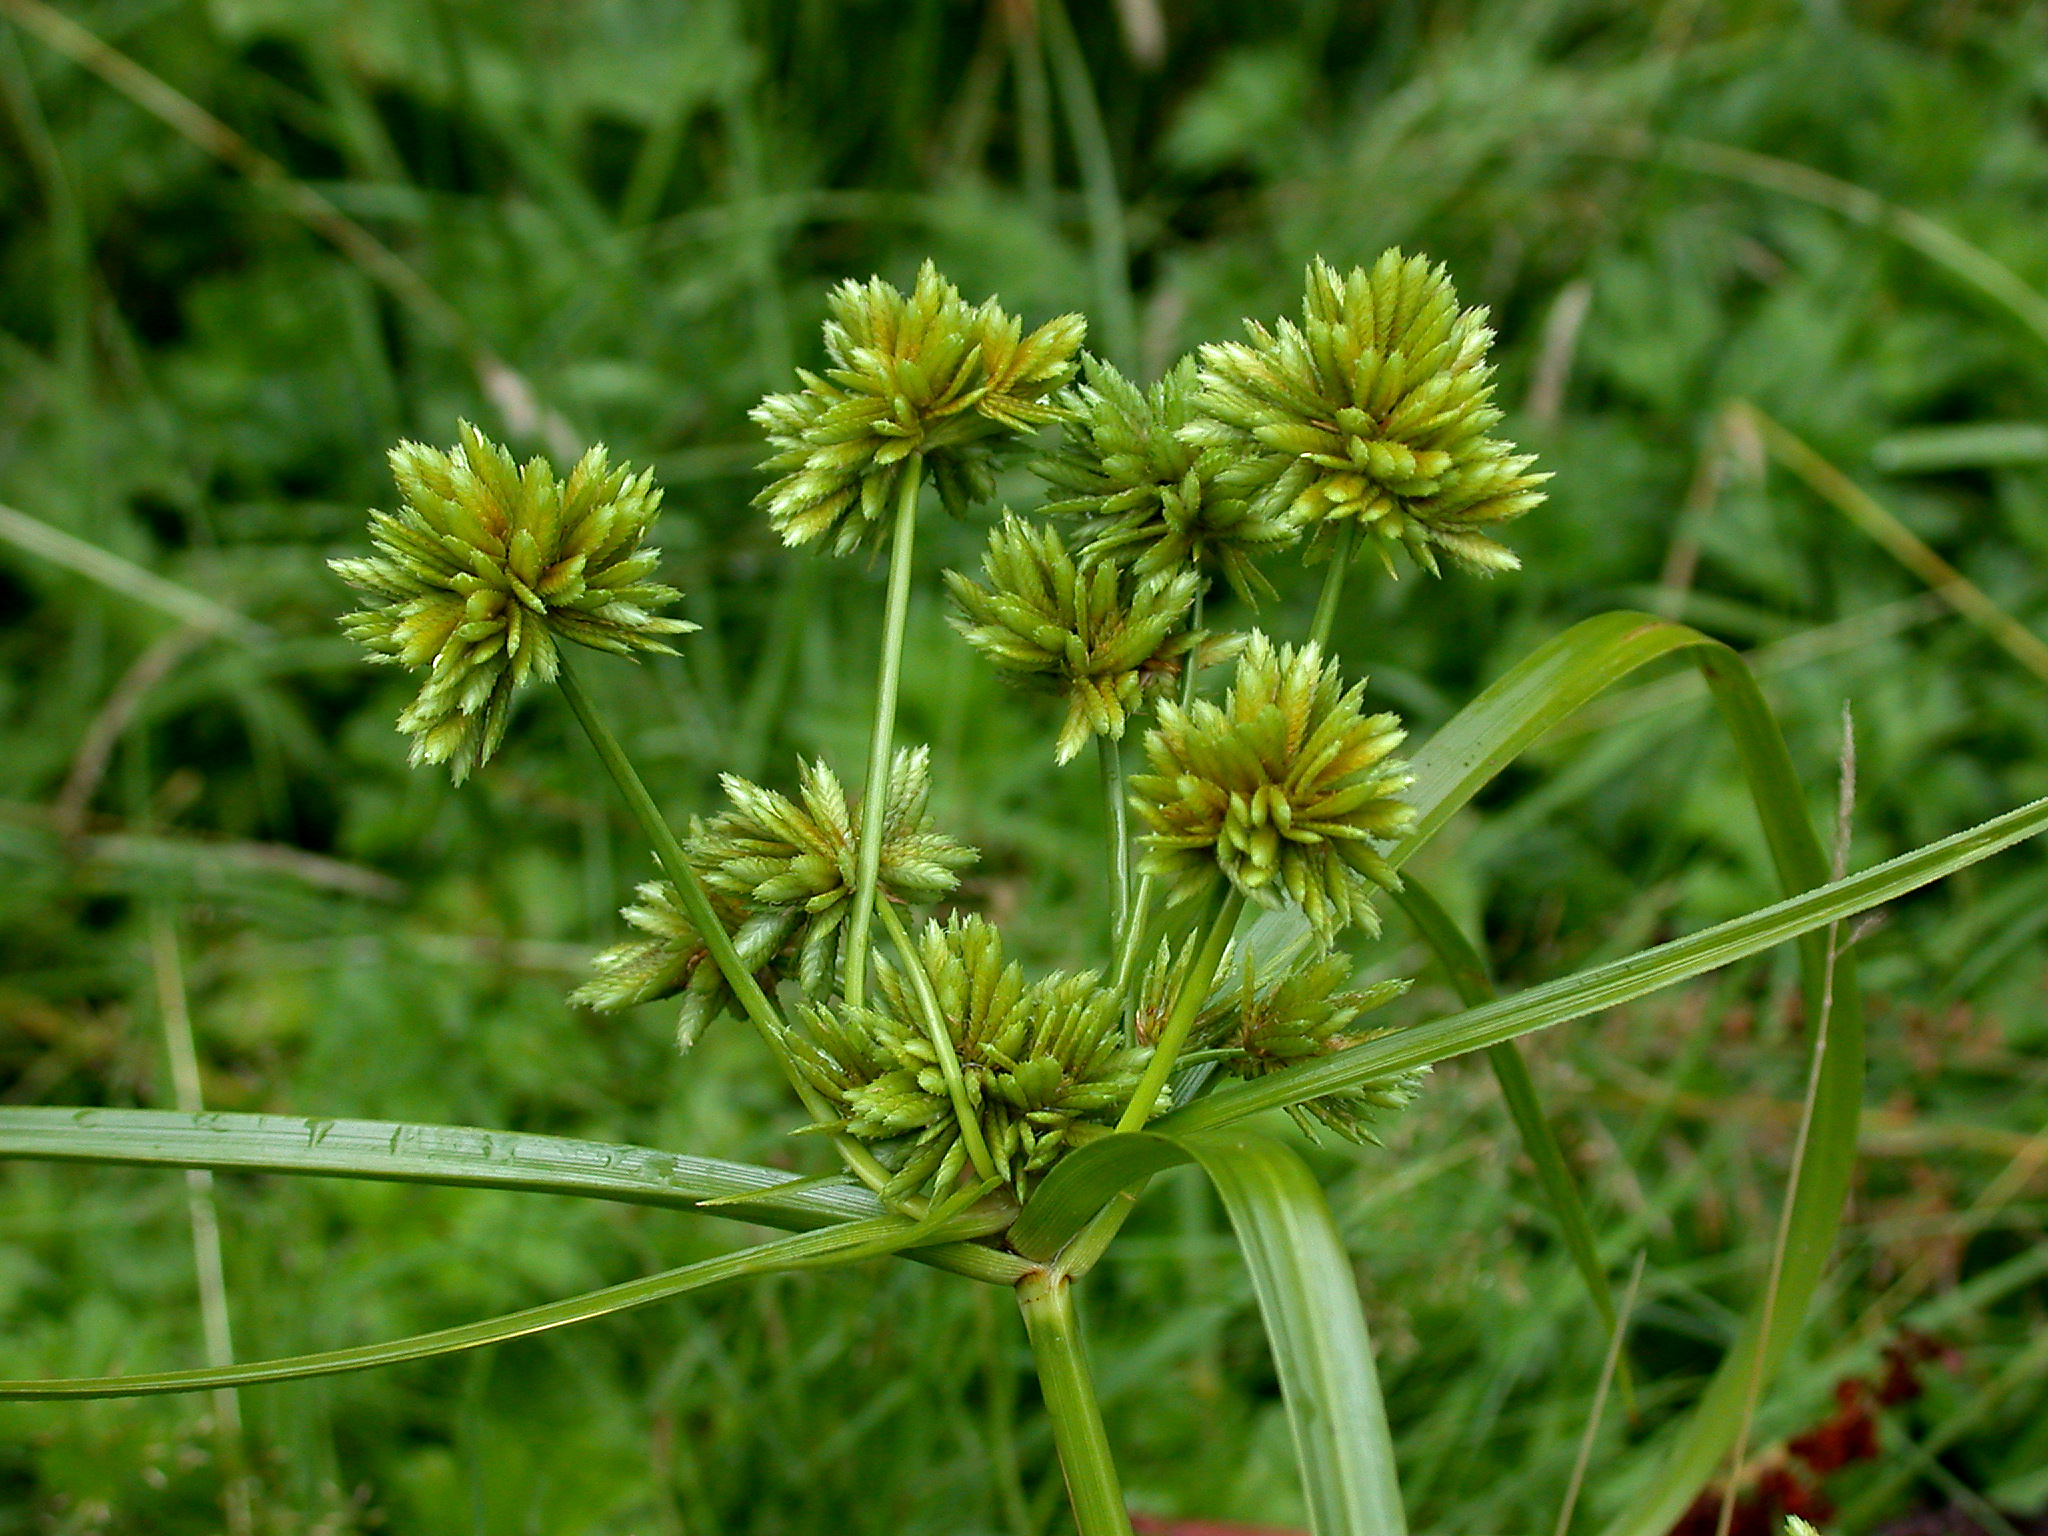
1900,542
520,406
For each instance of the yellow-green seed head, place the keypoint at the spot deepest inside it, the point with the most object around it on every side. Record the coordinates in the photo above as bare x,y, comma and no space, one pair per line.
774,853
924,373
1309,1013
486,566
1376,408
781,875
1045,1064
673,960
1097,636
1146,497
1284,789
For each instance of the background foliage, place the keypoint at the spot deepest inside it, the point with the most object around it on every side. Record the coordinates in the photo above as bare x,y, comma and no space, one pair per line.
625,216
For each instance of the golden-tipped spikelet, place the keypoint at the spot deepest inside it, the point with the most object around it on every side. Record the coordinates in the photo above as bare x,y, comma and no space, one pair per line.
1283,789
672,960
781,875
485,567
1376,408
1146,497
799,855
925,373
1045,1064
1098,637
1307,1014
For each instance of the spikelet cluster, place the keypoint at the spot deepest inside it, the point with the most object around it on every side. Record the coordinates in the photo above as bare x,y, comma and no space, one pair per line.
1045,1063
924,373
485,567
1096,636
800,856
672,959
1283,789
1146,497
1309,1013
781,874
1376,409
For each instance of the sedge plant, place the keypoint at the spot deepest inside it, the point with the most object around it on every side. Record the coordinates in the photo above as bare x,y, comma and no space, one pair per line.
1000,1125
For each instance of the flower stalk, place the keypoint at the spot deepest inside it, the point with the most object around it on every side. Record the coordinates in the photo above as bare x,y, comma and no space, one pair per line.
668,852
1116,829
1051,1323
1333,585
895,617
1227,907
942,1045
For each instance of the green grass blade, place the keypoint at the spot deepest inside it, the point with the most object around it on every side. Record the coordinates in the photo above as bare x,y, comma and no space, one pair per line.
457,1155
125,577
1606,986
1081,1184
1469,975
846,1244
1307,1298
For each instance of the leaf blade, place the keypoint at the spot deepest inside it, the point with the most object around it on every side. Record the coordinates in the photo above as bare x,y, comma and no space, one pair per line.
461,1156
847,1243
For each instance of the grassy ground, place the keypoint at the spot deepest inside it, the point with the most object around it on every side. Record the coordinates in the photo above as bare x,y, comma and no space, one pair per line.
623,218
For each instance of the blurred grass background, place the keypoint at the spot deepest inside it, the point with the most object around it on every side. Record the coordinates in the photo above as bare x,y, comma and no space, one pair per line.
616,220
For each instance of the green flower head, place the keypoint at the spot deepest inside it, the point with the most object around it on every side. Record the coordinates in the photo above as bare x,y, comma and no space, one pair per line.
673,961
1283,789
798,856
485,567
924,374
1374,409
1147,497
781,874
1097,636
1308,1014
1045,1063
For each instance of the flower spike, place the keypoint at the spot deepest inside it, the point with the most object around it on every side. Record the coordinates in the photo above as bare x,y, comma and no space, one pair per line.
486,566
1374,409
1282,790
925,373
780,873
1146,497
1045,1064
1086,634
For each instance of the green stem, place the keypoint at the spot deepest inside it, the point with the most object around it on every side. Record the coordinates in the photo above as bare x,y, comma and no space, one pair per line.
1194,662
1194,991
875,798
942,1043
1333,584
1129,952
668,852
1109,755
1047,1302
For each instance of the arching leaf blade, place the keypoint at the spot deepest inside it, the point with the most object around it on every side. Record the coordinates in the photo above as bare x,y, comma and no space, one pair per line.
1307,1295
1621,981
848,1243
461,1156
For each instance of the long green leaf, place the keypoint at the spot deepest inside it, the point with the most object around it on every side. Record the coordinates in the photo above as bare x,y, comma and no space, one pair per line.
1606,986
845,1244
1546,688
458,1155
1308,1299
